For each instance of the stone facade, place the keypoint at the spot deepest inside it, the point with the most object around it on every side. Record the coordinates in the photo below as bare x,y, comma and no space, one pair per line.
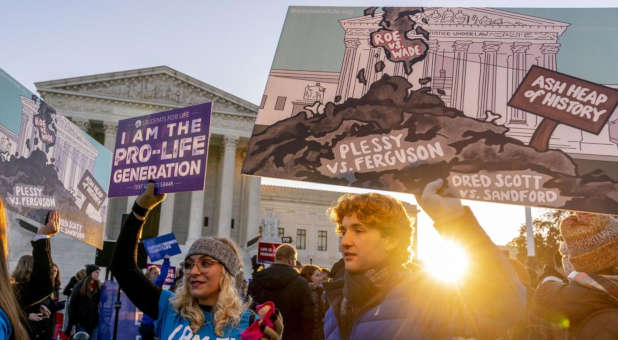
303,209
229,205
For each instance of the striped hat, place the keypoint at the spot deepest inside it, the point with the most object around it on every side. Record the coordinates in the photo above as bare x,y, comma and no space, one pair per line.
591,241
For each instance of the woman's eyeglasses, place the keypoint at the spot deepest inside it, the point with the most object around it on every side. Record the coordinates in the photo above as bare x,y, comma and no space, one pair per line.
202,264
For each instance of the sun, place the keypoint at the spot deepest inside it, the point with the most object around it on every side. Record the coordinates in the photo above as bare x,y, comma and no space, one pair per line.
446,261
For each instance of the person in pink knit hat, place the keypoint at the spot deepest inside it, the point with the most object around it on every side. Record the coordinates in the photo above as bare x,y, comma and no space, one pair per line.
587,304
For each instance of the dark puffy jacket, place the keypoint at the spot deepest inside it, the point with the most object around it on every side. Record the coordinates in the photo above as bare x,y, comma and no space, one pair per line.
484,305
589,313
318,311
83,309
37,291
283,285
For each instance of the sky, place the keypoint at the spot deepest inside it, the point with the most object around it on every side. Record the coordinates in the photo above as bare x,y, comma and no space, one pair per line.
227,44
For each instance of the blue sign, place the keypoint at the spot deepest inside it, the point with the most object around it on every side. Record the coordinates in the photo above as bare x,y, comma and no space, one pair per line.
157,247
129,317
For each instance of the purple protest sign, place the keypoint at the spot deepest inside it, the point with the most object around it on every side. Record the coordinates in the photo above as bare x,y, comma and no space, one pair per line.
168,147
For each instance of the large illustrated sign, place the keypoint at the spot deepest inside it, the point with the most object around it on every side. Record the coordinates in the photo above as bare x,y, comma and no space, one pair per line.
392,98
48,163
168,147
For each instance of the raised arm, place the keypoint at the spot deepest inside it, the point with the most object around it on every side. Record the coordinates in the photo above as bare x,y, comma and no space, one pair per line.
40,285
490,298
164,270
143,293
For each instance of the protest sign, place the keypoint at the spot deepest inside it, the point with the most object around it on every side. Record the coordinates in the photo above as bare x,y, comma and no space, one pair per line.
48,163
563,99
92,190
266,252
392,98
158,247
168,147
129,317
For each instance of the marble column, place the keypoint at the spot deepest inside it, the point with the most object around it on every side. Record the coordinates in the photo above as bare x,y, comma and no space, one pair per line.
549,52
251,207
166,221
114,217
196,216
110,128
430,59
487,93
130,201
518,72
459,73
226,186
347,68
370,70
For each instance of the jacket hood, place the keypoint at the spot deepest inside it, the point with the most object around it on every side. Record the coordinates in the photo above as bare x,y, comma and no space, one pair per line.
276,277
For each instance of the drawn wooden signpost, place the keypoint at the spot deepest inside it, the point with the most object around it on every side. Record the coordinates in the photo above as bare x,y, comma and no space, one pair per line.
563,99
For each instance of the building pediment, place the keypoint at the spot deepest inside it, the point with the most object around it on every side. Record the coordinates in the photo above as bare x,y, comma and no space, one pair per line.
159,86
469,17
482,17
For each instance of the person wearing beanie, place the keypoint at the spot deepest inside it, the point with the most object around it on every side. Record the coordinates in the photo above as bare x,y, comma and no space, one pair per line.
283,285
588,301
83,306
206,304
91,268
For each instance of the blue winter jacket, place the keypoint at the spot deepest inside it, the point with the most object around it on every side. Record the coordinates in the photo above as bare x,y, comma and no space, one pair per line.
5,326
484,305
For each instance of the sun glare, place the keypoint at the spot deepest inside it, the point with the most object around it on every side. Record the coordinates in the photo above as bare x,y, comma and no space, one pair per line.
446,260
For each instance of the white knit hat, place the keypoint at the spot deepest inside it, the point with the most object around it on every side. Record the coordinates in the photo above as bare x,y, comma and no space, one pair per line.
591,241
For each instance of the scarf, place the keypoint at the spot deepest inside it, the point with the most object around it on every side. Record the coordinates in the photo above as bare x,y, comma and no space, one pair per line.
363,291
605,283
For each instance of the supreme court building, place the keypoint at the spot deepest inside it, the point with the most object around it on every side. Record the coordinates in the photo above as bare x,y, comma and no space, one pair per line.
231,204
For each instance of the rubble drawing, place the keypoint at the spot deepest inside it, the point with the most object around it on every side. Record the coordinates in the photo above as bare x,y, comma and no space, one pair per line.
442,113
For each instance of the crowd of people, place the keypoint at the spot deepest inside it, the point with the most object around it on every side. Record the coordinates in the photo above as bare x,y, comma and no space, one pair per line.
373,292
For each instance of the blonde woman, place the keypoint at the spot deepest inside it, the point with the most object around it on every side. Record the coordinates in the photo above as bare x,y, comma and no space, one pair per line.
206,305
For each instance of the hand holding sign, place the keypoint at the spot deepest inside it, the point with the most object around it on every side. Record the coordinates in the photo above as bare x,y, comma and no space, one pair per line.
149,199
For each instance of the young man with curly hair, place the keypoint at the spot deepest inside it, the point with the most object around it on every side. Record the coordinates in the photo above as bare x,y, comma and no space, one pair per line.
381,297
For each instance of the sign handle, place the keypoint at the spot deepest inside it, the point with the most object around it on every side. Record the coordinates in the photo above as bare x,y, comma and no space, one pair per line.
542,134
